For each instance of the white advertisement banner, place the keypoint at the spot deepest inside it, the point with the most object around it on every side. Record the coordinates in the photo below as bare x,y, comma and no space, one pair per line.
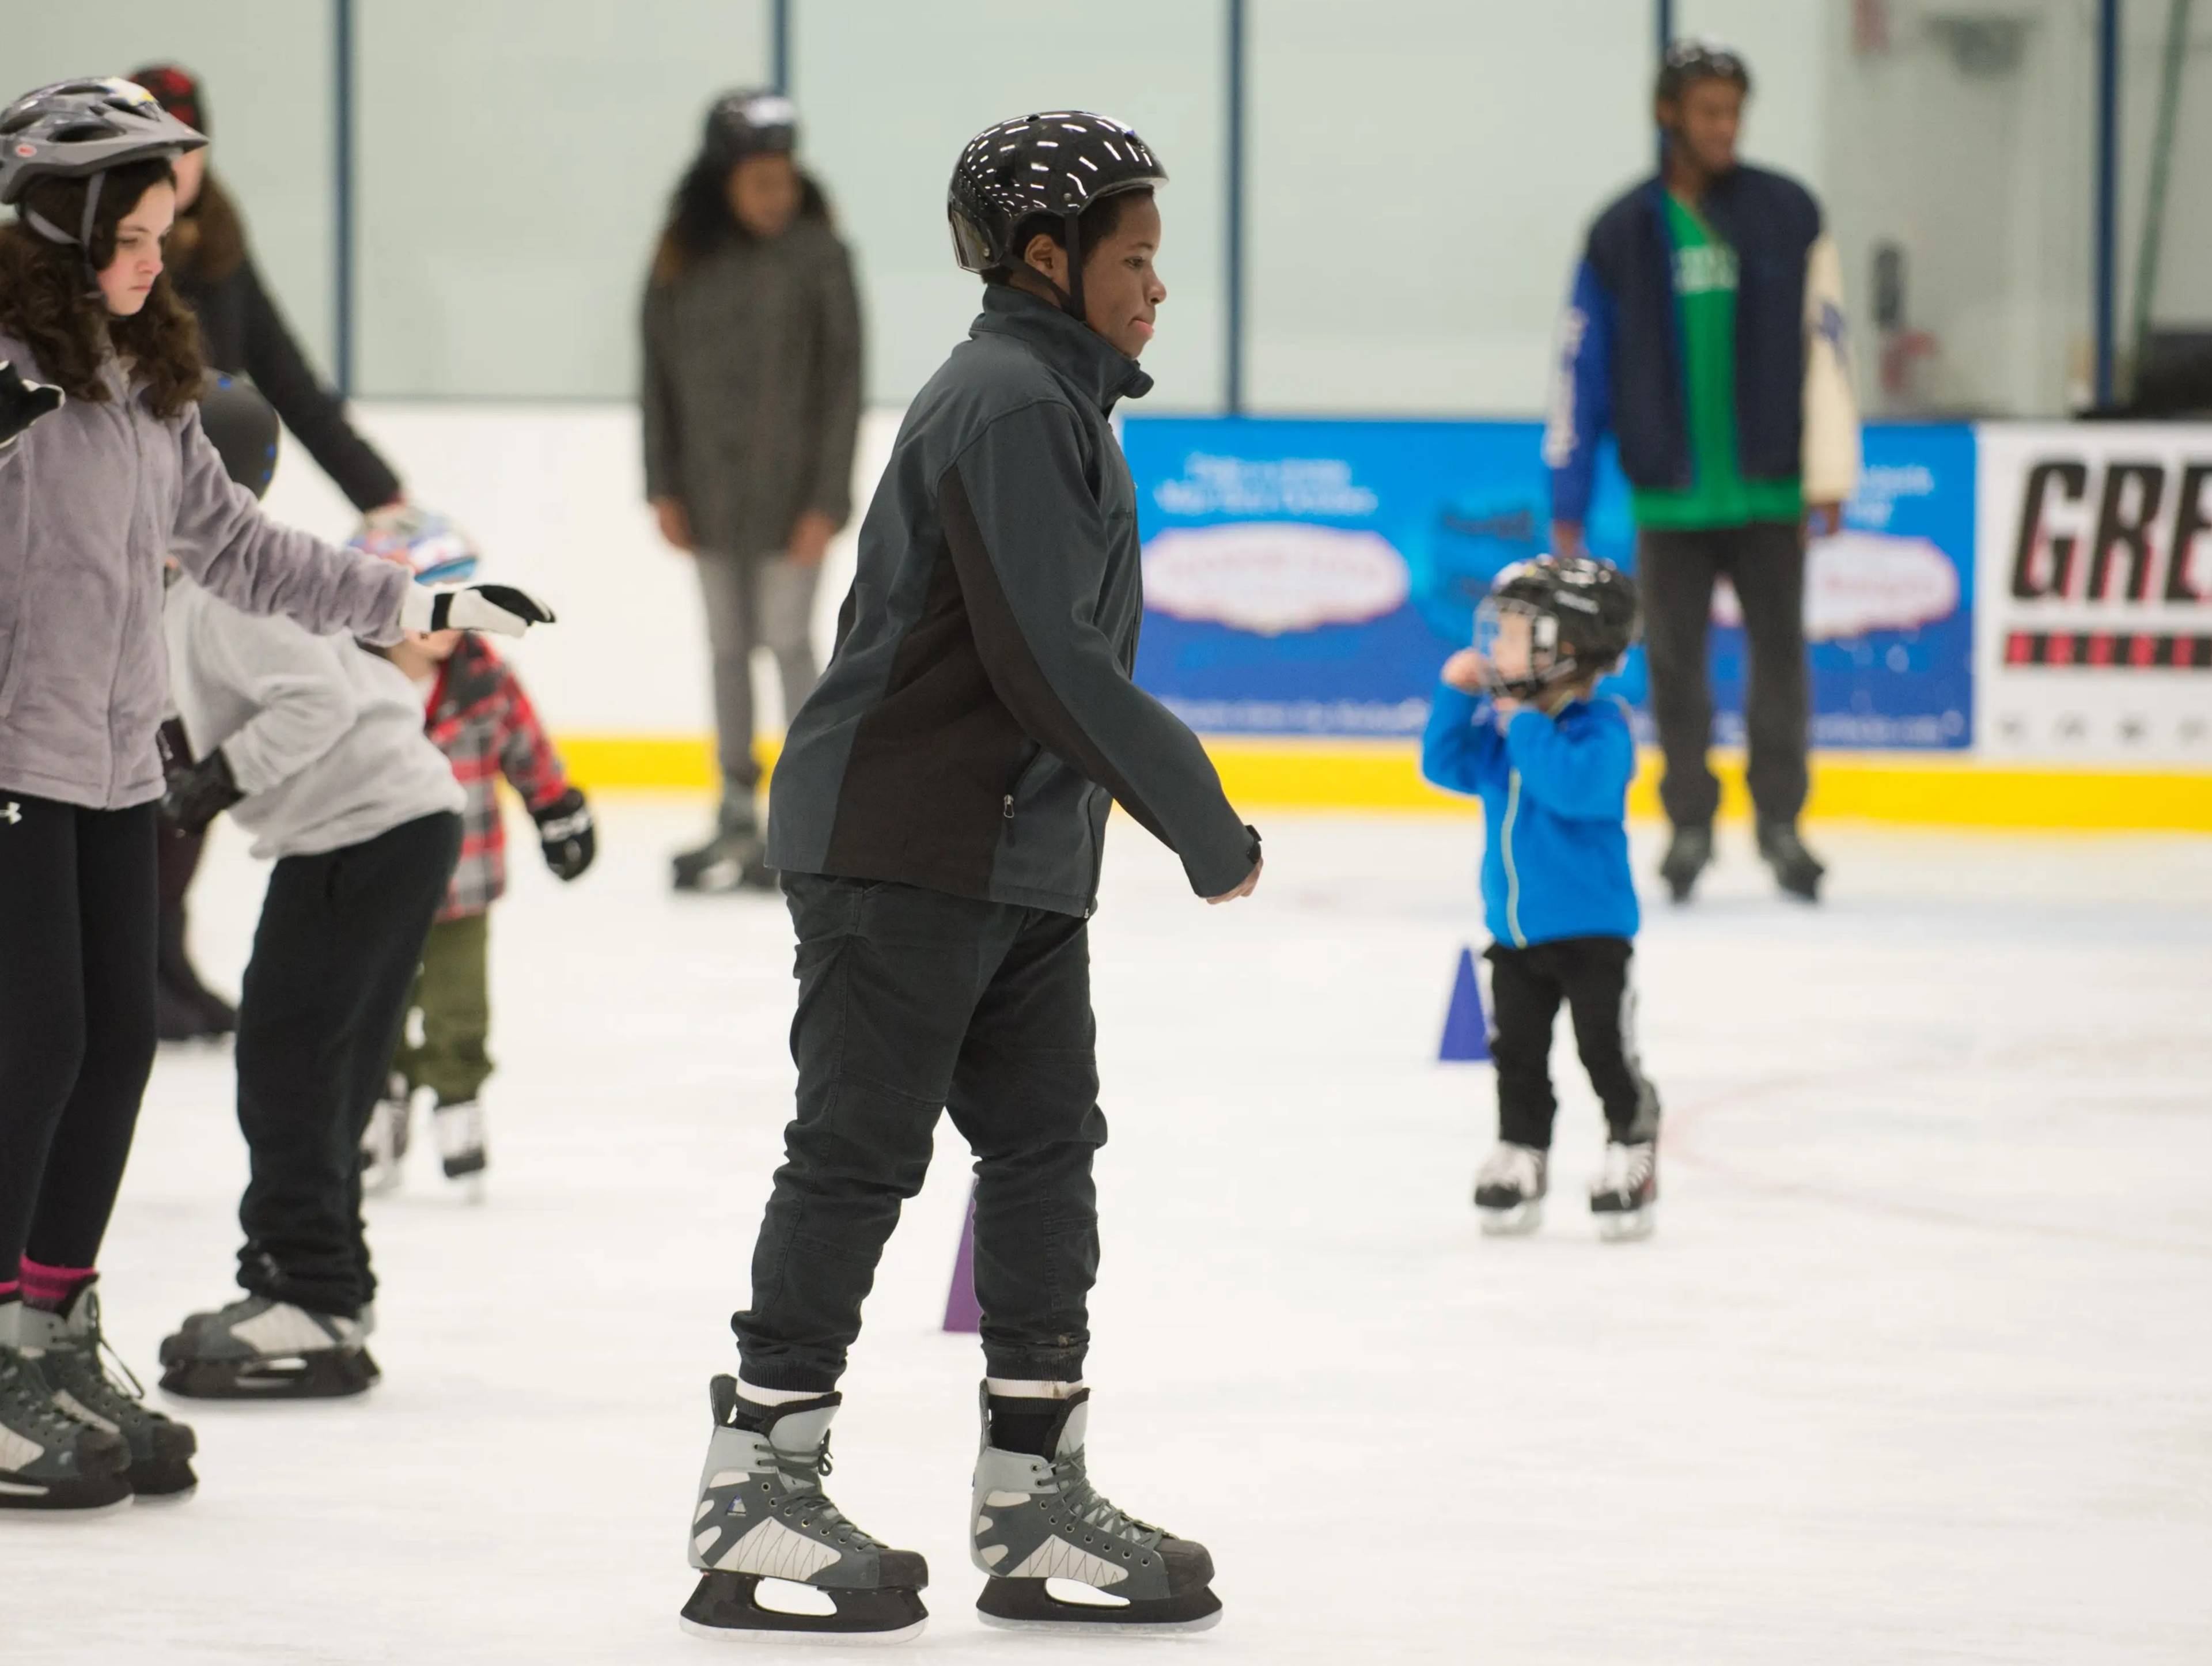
2093,603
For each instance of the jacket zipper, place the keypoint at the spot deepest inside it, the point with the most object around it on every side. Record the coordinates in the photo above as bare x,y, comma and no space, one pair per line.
1512,872
1006,804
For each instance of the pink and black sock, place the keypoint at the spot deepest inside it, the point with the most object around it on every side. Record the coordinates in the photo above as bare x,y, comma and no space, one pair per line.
53,1288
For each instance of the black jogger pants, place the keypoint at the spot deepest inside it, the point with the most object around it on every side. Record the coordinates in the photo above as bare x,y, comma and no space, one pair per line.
76,1019
911,1001
335,954
1591,975
1676,571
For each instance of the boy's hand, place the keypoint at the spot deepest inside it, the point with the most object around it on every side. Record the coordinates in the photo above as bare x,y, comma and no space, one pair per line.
564,832
675,525
1507,707
1467,672
198,792
1251,883
810,537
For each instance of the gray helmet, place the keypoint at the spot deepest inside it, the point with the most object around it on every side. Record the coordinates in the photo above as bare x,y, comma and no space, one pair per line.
748,124
75,130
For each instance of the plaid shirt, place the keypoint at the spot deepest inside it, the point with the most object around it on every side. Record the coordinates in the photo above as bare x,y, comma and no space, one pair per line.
481,720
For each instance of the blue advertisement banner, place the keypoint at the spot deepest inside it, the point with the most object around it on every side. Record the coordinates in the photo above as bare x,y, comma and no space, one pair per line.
1308,577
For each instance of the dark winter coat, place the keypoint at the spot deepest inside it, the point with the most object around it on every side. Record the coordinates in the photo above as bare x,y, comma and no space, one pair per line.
752,387
243,332
978,716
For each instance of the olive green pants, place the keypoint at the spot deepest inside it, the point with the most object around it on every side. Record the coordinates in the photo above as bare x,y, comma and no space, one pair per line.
451,1011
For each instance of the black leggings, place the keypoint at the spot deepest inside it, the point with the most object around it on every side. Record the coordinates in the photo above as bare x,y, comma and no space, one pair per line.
77,906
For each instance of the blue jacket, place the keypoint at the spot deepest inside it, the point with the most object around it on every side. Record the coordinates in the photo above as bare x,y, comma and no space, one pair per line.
1620,345
1555,794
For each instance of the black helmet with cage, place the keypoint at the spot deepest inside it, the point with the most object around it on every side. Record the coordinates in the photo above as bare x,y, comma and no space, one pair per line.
1698,59
1582,617
748,124
1043,169
243,427
79,129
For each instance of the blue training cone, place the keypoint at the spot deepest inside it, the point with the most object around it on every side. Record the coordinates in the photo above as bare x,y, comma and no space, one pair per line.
1466,1031
963,1312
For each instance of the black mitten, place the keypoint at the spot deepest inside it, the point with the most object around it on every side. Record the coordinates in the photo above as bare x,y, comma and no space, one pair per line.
564,829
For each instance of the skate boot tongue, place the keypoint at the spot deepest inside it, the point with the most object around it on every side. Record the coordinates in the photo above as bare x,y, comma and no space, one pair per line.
1073,1430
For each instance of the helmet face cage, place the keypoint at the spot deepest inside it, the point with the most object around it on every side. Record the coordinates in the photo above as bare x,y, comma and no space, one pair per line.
1546,664
1580,618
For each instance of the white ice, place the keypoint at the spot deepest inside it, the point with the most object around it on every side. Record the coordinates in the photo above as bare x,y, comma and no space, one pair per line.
1917,1368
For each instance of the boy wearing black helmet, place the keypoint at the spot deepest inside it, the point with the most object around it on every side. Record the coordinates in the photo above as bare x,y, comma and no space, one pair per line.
938,815
1517,724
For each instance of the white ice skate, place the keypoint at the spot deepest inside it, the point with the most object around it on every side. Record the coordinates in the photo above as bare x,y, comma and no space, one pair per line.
459,1129
384,1142
1508,1190
1625,1196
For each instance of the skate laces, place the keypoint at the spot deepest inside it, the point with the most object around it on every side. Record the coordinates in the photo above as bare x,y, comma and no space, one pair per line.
1626,1167
802,1473
28,1402
1510,1165
1094,1509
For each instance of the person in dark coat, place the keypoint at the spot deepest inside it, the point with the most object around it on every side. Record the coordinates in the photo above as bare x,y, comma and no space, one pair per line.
241,333
752,408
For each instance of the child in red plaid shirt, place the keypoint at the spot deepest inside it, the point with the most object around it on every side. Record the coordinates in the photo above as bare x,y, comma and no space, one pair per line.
478,715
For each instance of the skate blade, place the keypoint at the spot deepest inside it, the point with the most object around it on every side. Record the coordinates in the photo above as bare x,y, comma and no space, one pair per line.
15,1506
1516,1222
722,1606
1627,1226
317,1375
1028,1605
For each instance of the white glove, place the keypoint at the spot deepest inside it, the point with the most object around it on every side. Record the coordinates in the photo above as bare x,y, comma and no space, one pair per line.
501,609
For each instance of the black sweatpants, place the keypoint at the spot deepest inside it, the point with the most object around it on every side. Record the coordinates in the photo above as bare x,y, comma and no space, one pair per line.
335,954
1590,974
76,1019
909,1001
1676,570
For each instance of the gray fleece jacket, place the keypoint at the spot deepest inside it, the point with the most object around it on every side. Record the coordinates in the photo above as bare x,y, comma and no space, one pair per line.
324,738
92,498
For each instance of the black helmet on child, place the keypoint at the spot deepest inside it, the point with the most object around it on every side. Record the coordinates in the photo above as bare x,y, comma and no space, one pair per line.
78,129
1582,616
1055,164
1698,59
748,124
243,427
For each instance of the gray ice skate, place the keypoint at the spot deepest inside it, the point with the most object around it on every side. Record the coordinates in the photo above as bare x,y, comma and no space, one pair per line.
735,858
49,1461
1509,1189
66,1348
1036,1519
762,1515
1625,1197
259,1349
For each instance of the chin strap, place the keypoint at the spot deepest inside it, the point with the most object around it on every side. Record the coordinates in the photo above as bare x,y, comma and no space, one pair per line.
82,241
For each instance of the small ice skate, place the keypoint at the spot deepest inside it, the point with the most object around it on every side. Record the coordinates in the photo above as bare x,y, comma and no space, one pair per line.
1689,853
762,1515
1625,1196
1797,870
66,1348
1036,1520
259,1349
734,859
460,1133
384,1142
50,1460
1509,1187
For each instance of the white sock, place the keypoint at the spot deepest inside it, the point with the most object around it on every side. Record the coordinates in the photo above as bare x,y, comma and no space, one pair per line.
1017,1388
761,1396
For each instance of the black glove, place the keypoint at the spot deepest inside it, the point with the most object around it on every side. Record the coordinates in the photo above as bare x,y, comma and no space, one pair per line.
198,793
564,829
22,402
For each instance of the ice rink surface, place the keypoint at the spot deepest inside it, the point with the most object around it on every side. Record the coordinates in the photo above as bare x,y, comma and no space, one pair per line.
1917,1368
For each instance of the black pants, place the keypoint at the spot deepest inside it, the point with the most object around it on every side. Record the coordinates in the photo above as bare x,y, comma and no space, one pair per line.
76,1019
1766,562
340,938
1590,974
910,1001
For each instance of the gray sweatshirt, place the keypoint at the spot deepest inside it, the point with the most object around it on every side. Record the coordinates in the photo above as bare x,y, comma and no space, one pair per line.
324,738
92,498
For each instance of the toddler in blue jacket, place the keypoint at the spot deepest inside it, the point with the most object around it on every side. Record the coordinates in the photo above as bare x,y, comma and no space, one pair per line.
1517,724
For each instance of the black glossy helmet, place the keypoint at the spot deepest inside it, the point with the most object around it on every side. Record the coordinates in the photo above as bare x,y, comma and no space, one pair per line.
1582,617
748,124
1055,164
243,427
73,130
1698,58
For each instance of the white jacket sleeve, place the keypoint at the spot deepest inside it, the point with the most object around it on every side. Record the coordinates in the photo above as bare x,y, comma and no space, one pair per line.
1830,466
303,704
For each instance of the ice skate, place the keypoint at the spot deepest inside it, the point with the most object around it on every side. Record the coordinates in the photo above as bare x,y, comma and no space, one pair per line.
1036,1520
762,1515
49,1461
384,1142
1797,870
460,1133
66,1349
1509,1187
259,1349
1689,853
1625,1196
735,858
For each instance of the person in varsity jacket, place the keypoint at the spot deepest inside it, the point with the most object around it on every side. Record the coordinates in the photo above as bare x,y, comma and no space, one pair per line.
1705,332
479,716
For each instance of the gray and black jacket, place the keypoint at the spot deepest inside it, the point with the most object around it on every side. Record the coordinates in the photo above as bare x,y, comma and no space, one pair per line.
978,715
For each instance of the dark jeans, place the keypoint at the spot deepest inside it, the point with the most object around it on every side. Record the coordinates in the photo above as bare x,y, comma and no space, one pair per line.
76,1019
1766,562
1590,974
334,956
911,1001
